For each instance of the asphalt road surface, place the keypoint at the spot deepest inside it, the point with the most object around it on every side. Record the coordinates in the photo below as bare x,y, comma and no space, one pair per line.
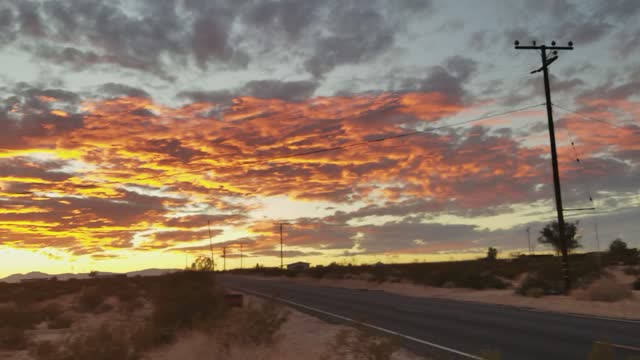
448,329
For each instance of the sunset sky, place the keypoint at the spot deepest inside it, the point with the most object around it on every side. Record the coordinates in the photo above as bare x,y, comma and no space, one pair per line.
126,126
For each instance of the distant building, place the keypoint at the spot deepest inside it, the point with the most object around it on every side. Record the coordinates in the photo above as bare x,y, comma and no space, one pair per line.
298,266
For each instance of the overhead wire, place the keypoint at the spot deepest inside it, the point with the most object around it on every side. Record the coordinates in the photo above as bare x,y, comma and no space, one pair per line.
330,149
587,117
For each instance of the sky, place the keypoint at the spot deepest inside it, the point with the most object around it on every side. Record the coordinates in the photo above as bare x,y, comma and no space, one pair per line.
133,133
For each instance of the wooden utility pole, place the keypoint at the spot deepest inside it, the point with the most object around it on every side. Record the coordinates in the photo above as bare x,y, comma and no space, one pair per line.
529,240
224,258
281,245
213,264
552,138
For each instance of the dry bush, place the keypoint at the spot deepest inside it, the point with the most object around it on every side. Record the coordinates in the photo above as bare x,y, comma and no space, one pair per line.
89,300
21,317
13,338
60,322
360,344
636,284
103,343
184,301
606,289
534,292
630,270
51,311
254,326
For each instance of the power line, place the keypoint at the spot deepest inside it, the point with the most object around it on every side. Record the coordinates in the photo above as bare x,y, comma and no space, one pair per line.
335,148
587,117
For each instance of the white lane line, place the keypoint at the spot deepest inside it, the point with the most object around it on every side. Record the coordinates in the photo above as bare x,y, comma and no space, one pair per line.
364,324
593,317
619,346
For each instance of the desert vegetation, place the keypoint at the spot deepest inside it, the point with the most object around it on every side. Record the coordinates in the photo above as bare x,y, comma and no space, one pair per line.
144,318
526,275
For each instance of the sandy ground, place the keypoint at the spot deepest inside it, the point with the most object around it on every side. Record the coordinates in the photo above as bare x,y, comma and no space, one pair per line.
301,337
626,309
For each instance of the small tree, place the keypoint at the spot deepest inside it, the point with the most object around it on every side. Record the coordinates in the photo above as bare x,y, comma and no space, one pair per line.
202,263
620,251
550,235
492,254
618,248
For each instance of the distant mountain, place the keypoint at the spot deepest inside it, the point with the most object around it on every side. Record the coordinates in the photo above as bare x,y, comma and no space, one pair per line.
40,275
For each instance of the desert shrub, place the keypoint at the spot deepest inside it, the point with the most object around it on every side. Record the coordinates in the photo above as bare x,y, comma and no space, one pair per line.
43,350
51,311
537,282
20,317
606,290
630,270
636,284
380,273
13,338
89,300
255,325
60,322
185,300
534,292
103,343
361,344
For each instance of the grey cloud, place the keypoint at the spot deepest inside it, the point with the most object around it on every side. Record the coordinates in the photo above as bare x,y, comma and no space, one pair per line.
27,114
268,89
285,90
357,34
115,89
627,43
29,18
462,67
586,32
291,16
6,26
618,9
160,35
449,79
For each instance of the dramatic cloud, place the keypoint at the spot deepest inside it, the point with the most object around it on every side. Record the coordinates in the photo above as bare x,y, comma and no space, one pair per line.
150,126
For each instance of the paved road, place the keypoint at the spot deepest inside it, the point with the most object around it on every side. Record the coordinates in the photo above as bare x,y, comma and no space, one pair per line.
463,326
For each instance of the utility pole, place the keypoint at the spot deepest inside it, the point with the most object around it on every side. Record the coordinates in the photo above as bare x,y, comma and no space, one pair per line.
224,258
213,264
552,138
281,242
529,239
241,256
598,257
